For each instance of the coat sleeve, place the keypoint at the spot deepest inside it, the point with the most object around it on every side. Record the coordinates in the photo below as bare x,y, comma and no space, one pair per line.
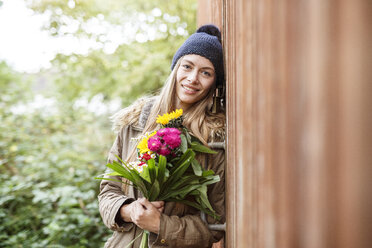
191,230
111,196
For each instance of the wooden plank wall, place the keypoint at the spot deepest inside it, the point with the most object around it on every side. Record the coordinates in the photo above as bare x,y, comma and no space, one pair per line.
299,108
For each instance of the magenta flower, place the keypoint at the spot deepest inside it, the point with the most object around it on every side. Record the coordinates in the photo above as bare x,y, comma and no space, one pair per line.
172,140
164,141
173,130
162,132
154,143
168,130
164,150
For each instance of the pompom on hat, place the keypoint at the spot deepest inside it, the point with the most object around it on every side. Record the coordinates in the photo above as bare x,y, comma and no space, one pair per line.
205,42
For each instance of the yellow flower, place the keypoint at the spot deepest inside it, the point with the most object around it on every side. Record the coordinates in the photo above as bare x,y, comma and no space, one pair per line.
166,118
142,145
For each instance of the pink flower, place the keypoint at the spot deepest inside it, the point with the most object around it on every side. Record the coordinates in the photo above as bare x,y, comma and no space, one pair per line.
164,150
154,143
162,132
173,130
168,130
172,140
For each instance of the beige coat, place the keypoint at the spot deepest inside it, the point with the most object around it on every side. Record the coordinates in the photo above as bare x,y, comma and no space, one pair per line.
180,225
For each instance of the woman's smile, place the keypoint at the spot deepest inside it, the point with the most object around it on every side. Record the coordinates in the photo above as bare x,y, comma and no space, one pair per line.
189,89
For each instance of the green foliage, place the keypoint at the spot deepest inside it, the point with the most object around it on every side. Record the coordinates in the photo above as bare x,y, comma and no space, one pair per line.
135,68
49,155
12,86
114,11
48,197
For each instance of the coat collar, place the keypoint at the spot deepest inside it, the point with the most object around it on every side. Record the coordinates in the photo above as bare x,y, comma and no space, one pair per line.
135,115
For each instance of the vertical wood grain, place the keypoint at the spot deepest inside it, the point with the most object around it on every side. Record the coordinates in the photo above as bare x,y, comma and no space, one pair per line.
299,118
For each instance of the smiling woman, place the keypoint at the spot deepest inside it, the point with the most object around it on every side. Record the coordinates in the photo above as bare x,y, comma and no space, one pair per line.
197,68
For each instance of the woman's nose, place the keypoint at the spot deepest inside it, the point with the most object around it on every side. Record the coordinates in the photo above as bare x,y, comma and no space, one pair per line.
193,76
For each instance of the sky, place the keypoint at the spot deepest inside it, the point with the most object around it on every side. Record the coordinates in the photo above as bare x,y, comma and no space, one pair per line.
23,44
28,48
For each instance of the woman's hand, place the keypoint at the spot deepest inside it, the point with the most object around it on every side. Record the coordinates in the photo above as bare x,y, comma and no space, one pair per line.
143,213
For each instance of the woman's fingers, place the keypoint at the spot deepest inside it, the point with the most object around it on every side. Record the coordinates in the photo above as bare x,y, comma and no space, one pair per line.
145,203
146,215
158,204
149,205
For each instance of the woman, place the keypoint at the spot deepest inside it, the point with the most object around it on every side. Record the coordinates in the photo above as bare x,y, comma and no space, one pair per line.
197,69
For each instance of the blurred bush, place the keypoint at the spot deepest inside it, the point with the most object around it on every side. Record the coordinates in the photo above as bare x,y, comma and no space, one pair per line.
47,163
52,143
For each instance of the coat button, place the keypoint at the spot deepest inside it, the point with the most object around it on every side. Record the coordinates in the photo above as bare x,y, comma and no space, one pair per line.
162,241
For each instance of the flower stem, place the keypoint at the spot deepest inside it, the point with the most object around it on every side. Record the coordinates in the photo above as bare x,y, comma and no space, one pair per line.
145,239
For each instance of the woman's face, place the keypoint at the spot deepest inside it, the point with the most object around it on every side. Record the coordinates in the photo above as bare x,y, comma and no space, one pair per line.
195,77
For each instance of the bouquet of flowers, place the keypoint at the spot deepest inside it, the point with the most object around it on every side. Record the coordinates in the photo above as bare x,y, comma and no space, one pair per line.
166,168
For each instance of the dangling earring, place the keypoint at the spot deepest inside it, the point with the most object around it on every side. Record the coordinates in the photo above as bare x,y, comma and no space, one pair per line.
217,99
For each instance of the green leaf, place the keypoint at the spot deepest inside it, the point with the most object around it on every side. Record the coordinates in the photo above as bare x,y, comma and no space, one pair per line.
154,191
145,174
108,179
207,173
161,169
177,172
191,179
197,206
113,174
121,161
196,167
184,157
180,170
115,166
152,169
142,186
188,137
204,196
181,193
140,182
196,146
212,180
186,190
183,146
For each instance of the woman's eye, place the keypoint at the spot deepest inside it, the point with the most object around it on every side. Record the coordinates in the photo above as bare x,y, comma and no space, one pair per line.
206,73
186,66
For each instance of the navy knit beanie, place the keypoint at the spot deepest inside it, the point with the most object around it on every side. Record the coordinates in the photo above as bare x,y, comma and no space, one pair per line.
205,42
